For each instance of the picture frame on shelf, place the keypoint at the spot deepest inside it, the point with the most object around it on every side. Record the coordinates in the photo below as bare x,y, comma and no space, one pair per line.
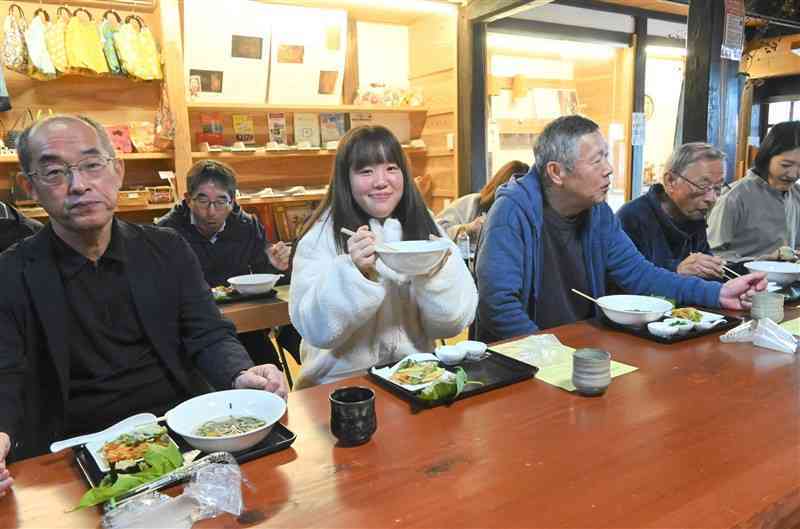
289,218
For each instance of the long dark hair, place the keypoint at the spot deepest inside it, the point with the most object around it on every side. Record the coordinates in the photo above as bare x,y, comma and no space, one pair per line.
359,148
782,137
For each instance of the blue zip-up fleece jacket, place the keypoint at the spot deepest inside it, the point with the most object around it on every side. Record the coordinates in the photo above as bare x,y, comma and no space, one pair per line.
509,263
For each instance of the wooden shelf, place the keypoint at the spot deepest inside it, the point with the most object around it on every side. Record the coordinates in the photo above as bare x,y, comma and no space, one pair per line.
211,106
12,158
280,199
229,156
40,213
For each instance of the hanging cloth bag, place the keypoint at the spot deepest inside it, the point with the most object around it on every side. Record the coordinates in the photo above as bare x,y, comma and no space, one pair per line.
165,122
84,44
137,50
150,65
23,120
5,100
42,66
107,30
54,37
15,53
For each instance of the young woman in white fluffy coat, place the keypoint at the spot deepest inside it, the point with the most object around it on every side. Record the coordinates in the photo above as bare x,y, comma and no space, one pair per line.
351,310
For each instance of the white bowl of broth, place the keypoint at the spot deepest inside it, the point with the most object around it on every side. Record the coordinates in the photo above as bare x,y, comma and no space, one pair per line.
227,421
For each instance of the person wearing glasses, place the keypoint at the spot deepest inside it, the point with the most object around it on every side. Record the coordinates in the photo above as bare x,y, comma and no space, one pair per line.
668,223
230,242
551,231
760,216
100,318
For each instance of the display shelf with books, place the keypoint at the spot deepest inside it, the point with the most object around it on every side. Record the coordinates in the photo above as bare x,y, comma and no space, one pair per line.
211,106
229,156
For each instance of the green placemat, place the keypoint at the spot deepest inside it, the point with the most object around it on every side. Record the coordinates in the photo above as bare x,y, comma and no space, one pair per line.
553,359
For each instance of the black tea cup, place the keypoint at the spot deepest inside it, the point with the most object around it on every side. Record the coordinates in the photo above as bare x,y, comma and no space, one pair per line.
353,419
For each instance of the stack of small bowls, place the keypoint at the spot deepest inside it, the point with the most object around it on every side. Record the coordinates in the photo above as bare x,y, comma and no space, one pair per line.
767,305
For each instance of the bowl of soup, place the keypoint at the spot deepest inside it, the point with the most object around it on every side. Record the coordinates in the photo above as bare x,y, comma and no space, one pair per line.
413,257
254,283
226,421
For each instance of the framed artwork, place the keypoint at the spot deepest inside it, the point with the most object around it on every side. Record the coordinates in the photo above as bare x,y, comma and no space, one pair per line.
246,47
289,219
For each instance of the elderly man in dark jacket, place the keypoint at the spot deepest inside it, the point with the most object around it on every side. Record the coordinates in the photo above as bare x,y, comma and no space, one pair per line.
668,224
100,318
229,242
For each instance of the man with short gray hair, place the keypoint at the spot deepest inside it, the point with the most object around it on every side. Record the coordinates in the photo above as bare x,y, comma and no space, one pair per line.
668,223
551,231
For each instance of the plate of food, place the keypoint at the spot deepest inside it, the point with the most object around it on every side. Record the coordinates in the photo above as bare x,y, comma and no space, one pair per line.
222,292
414,372
125,450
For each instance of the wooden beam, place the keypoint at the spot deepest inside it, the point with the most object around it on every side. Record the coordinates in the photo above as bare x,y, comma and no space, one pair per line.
172,50
701,102
489,10
636,178
623,10
545,30
471,104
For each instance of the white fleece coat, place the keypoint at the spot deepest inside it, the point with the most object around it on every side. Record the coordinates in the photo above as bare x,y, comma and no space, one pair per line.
350,323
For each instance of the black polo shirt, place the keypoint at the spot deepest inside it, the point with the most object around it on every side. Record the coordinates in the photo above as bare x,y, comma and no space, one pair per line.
114,370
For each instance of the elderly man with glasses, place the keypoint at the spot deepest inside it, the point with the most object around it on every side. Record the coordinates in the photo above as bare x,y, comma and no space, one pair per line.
100,318
230,242
668,224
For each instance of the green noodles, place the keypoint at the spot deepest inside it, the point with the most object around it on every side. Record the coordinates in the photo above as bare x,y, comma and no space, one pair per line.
232,425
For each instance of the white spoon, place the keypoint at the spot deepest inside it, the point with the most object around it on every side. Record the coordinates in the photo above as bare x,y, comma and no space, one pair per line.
122,426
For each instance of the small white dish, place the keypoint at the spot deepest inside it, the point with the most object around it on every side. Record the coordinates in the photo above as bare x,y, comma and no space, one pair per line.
662,329
450,354
680,325
474,350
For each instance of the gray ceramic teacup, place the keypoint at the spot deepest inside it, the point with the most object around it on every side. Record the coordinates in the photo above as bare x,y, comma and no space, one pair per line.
767,305
591,371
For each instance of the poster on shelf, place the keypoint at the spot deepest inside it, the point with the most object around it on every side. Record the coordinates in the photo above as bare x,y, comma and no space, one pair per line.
382,55
308,54
306,130
228,49
276,128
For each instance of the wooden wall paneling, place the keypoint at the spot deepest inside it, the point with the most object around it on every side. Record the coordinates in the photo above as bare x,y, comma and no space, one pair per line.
350,77
433,53
172,49
771,58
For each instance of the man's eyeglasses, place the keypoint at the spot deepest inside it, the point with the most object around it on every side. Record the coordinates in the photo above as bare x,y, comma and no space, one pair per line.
717,189
219,203
54,174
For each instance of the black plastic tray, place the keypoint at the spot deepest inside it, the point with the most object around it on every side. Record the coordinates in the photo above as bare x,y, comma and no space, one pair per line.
495,371
235,297
642,332
279,438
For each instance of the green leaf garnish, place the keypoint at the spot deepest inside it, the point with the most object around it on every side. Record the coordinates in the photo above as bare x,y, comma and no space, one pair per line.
158,460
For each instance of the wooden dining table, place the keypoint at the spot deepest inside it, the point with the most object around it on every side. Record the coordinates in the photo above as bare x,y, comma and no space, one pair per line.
259,314
703,435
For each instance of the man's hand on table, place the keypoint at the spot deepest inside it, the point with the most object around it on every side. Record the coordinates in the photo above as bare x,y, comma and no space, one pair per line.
5,476
266,377
736,293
